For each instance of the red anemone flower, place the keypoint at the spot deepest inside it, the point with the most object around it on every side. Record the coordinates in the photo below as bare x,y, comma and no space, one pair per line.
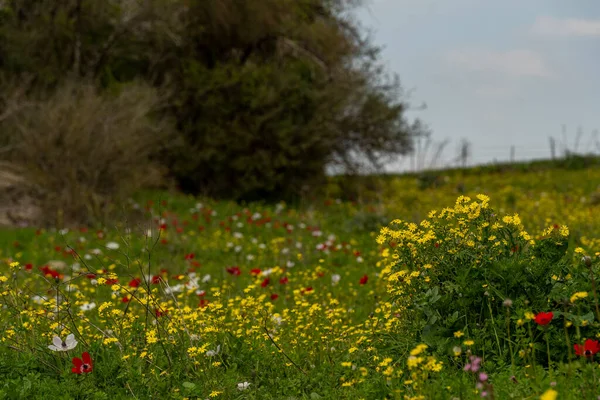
544,318
284,280
255,271
135,282
588,349
364,280
83,364
274,296
265,282
235,271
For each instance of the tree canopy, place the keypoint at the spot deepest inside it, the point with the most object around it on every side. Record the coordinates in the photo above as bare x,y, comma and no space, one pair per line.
264,94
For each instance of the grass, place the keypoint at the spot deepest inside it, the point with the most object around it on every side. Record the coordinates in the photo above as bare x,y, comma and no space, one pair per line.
205,299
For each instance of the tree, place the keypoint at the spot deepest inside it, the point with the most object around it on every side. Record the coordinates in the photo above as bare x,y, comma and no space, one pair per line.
265,93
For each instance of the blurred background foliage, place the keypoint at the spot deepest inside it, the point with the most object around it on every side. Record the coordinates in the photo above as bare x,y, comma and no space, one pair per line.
238,99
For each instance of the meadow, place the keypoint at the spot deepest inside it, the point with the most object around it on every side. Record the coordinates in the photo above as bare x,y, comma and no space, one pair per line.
459,285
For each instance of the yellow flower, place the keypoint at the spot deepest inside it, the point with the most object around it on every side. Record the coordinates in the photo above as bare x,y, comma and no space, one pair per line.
577,296
3,278
418,350
469,342
549,394
214,393
458,334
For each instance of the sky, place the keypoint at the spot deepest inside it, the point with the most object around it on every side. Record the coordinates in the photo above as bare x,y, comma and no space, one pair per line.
498,73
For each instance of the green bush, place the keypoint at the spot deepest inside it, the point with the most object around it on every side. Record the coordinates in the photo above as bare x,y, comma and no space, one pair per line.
468,271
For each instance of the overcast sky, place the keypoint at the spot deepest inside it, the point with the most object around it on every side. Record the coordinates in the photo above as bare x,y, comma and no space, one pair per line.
496,72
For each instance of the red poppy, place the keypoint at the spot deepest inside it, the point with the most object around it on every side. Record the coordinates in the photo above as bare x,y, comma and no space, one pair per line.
110,282
83,364
255,271
156,279
364,280
125,299
265,282
28,267
91,276
235,271
135,282
49,271
544,318
160,313
203,303
589,348
284,280
274,296
190,256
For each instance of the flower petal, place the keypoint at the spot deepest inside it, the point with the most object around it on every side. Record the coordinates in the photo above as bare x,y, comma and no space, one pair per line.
86,358
57,342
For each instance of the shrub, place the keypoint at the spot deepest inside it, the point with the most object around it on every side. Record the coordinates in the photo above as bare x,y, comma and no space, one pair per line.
459,270
78,151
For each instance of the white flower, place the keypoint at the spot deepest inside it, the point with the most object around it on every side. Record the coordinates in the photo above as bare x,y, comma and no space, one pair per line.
317,233
289,264
237,249
87,257
243,385
63,231
59,345
174,289
238,235
96,251
206,278
359,259
335,278
250,257
212,353
87,307
112,245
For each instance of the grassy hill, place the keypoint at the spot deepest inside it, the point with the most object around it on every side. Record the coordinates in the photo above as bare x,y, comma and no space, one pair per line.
194,298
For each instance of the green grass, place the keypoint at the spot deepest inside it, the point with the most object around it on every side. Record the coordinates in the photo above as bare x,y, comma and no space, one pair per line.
315,323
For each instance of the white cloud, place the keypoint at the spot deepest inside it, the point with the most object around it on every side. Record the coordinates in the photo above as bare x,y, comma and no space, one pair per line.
550,26
515,63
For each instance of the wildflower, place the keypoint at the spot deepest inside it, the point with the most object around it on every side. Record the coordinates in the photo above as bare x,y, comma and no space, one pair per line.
507,303
335,278
589,348
458,334
212,353
549,394
469,342
418,350
284,280
112,245
63,345
83,364
243,385
235,270
577,296
544,318
474,364
364,280
87,306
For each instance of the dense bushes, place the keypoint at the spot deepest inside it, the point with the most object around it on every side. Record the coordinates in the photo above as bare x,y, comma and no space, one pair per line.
264,94
78,151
